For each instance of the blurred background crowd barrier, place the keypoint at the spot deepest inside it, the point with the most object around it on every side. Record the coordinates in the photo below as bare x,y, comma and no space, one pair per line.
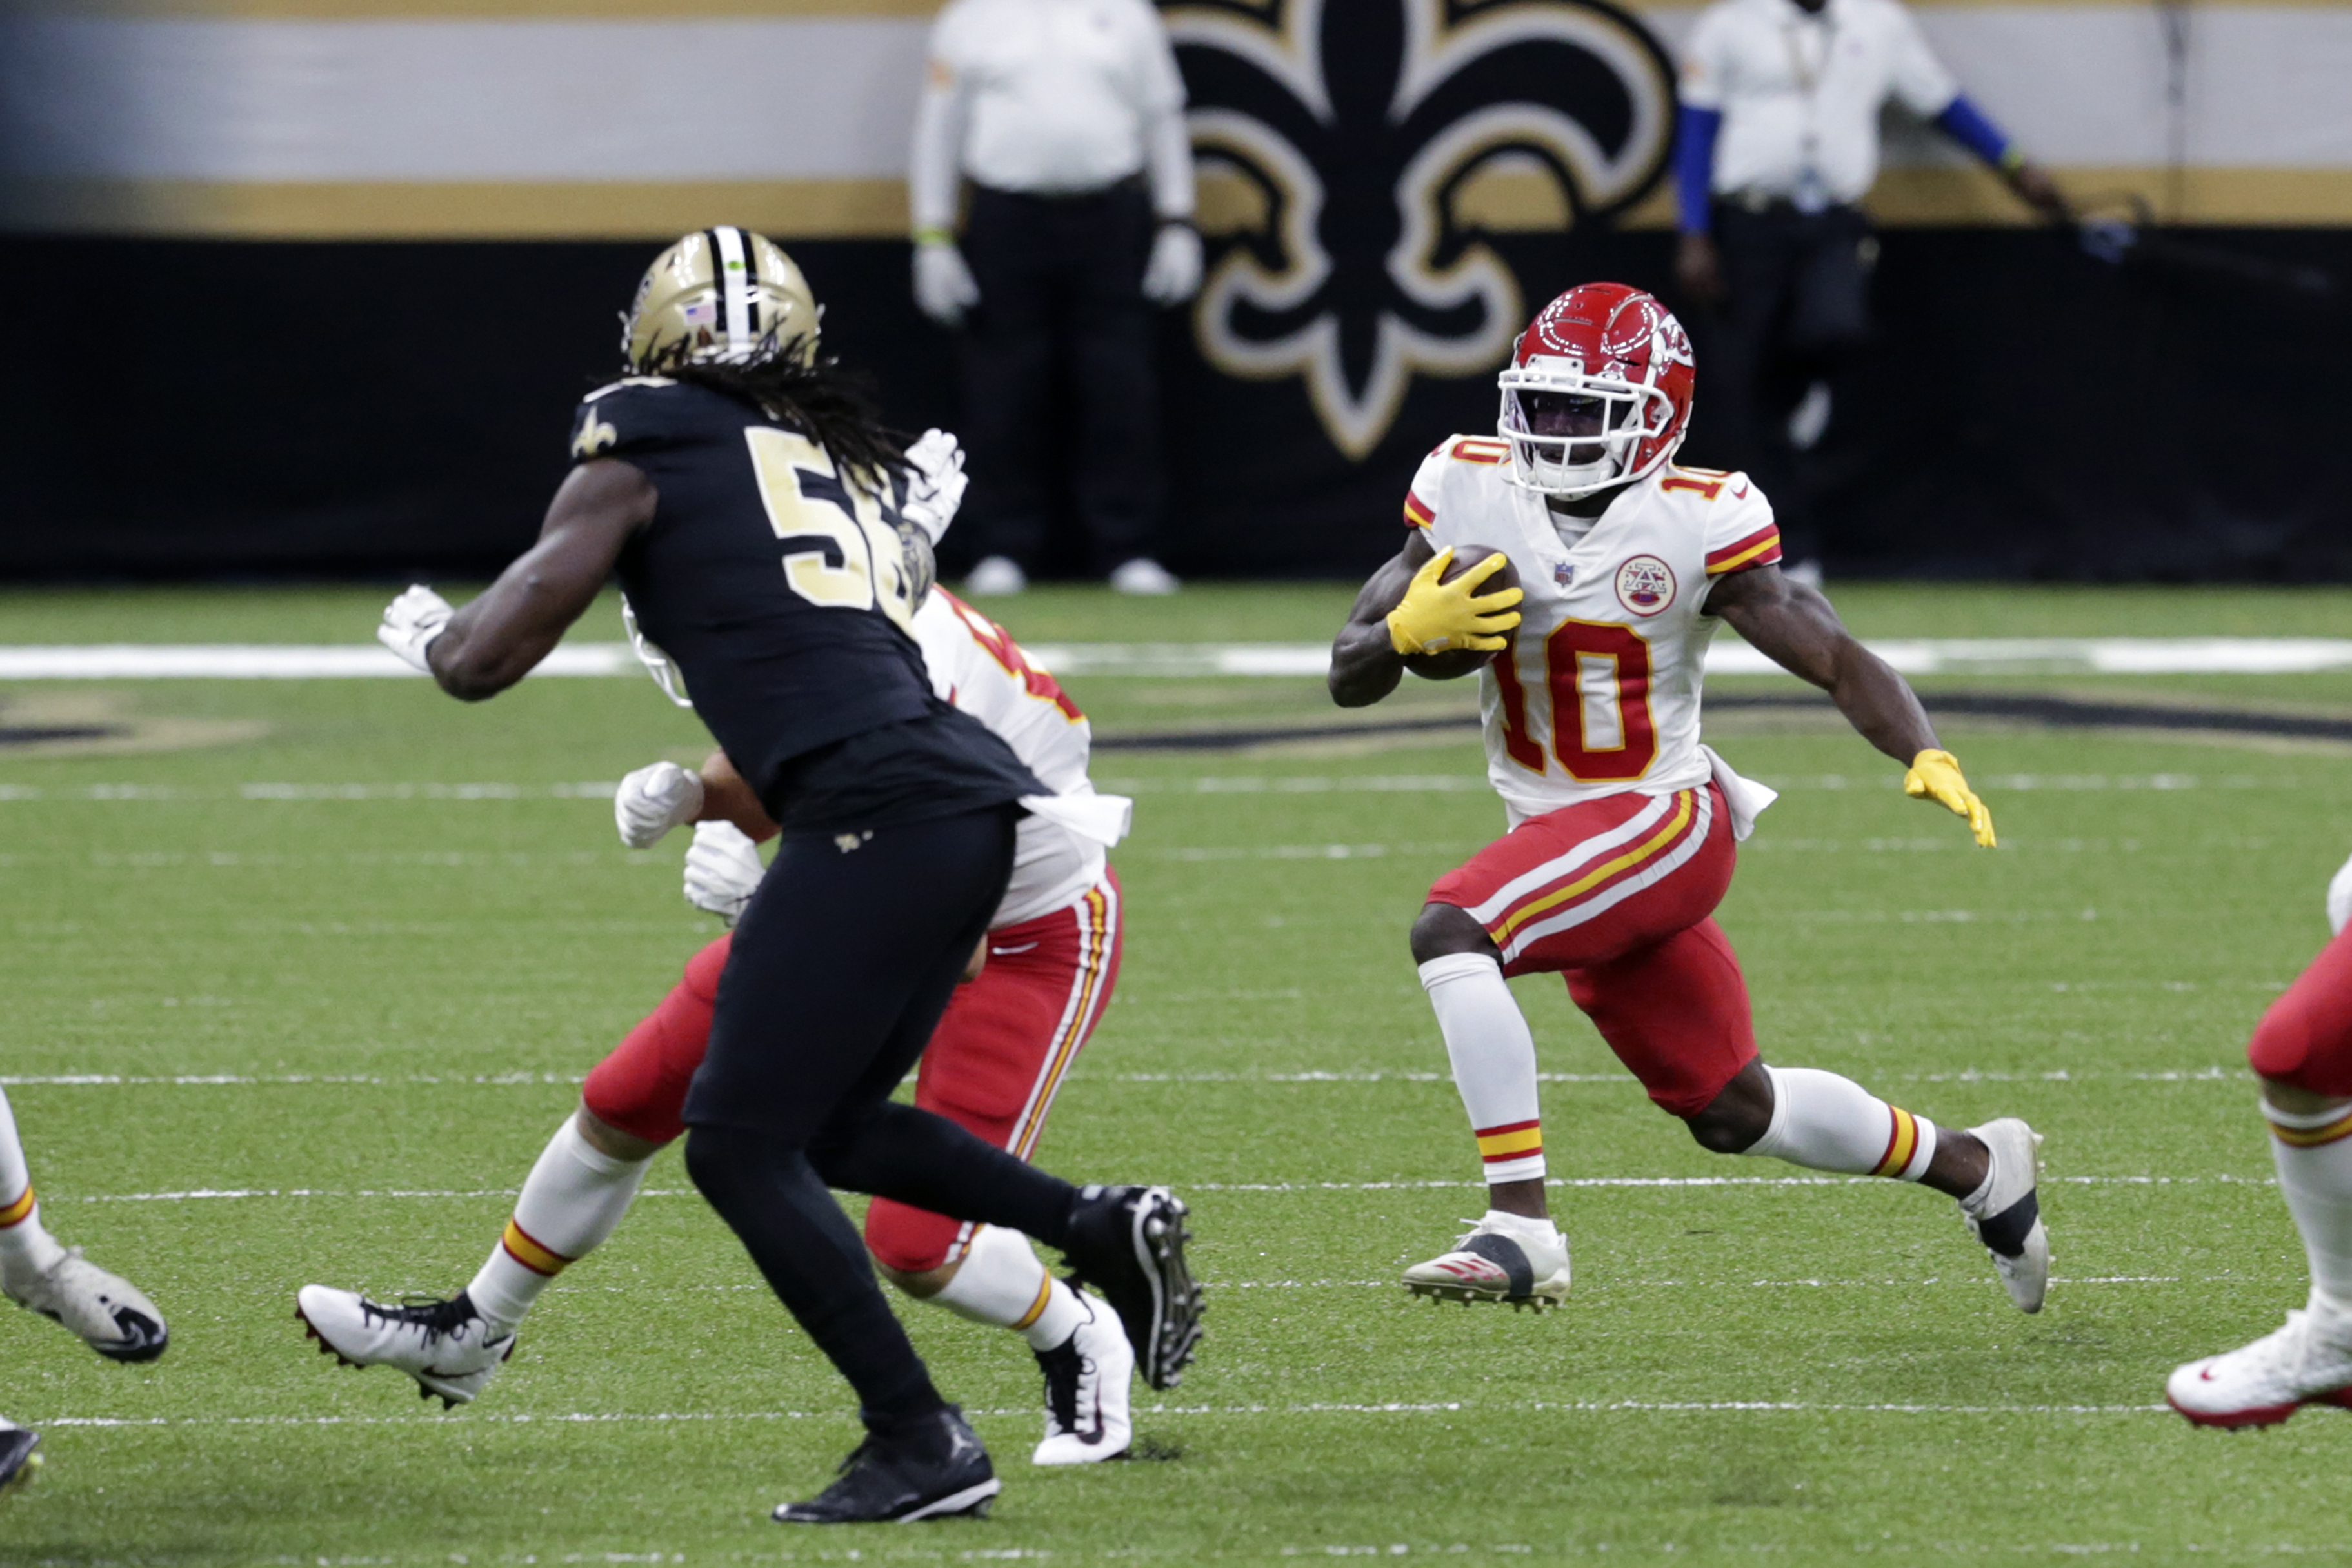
311,286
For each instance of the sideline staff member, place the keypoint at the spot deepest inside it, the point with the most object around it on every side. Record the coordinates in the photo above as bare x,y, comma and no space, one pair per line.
1056,109
1778,145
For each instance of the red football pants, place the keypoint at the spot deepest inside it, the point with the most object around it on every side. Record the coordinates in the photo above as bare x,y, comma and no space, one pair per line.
994,1064
1617,895
2306,1038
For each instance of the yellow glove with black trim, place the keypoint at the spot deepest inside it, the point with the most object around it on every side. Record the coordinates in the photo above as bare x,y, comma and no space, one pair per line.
1936,776
1436,617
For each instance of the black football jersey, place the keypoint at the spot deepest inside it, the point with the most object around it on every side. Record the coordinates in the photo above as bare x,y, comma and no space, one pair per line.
781,593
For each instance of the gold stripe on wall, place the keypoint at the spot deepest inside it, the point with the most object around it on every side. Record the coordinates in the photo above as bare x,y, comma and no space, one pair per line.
801,209
1973,197
474,10
876,209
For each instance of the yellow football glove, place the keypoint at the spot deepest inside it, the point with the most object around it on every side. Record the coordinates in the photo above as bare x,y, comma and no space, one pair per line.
1936,776
1436,617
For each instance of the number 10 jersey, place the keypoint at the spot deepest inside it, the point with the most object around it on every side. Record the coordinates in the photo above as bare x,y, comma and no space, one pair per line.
1598,692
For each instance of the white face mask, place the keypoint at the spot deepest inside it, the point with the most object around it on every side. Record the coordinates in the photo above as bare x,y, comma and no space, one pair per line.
1572,433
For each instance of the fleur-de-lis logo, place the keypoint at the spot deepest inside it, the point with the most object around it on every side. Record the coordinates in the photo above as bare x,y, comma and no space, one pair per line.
1369,142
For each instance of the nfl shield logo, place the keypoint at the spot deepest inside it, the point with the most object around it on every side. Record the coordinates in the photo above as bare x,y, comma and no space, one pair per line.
1561,573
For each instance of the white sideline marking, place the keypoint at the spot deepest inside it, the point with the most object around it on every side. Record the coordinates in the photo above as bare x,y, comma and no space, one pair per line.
1463,783
192,1195
1315,1407
1912,656
2232,1075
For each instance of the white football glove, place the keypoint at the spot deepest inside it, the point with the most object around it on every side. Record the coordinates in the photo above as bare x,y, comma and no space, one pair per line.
653,800
1173,274
2339,899
410,622
935,483
722,869
944,285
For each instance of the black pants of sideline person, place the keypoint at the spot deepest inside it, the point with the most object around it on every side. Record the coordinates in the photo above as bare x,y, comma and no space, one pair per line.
1798,312
841,967
1062,309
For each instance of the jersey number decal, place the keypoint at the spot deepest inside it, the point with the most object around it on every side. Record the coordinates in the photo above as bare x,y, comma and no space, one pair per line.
1596,677
859,560
1001,648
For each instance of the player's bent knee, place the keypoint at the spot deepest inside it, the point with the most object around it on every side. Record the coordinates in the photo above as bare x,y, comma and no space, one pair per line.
1737,1117
1444,929
606,1139
921,1284
2288,1052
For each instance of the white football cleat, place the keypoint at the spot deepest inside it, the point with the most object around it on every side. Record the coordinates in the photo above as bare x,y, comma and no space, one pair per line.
1504,1257
112,1315
1144,576
1086,1378
445,1345
2008,1218
998,577
2308,1362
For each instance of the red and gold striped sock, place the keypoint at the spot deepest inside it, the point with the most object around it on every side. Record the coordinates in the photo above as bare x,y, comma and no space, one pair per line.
21,1210
1512,1152
1910,1147
532,1253
2313,1154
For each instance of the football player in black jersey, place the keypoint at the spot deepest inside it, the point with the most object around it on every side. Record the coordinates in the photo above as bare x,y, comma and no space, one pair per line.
775,540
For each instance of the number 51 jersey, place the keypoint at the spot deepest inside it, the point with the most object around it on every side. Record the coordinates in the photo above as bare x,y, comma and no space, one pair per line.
1598,692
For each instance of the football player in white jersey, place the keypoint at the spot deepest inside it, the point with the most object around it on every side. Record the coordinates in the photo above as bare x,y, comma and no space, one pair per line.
1621,825
995,1063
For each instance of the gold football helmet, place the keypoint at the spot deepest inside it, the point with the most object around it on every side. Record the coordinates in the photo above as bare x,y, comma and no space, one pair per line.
723,295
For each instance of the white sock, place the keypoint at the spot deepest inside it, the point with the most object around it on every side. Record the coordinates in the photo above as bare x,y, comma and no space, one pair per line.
26,1248
2313,1155
572,1199
1826,1122
1001,1281
1494,1057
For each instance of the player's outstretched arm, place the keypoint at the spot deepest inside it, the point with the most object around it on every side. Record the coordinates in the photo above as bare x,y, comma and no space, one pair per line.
500,637
1794,626
1365,663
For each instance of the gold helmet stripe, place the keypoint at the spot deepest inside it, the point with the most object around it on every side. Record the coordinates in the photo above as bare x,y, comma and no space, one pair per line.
735,281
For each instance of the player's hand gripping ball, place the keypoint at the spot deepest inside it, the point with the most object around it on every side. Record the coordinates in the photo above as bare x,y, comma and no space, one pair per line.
1458,613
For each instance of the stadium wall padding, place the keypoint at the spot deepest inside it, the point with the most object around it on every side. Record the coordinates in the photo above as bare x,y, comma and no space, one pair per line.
261,409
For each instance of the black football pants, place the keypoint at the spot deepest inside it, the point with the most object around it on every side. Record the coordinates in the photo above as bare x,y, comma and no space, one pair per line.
1061,305
841,967
1798,311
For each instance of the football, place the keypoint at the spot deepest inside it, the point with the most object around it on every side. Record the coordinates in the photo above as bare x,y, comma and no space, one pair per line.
1455,662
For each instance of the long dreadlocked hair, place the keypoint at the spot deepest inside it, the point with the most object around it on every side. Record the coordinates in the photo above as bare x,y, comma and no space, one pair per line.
832,406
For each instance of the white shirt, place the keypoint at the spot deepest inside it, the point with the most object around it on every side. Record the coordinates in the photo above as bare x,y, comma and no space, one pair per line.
1050,97
976,664
1599,694
1798,91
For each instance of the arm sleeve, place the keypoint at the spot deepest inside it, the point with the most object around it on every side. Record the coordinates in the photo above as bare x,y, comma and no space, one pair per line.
1167,145
1740,533
1695,129
1964,123
937,164
1917,76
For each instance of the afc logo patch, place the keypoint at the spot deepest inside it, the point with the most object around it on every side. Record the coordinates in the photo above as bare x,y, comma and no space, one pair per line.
1645,585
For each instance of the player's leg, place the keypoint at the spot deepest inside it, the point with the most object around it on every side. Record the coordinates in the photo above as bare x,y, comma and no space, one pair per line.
109,1314
1676,1014
1575,886
574,1198
843,965
994,1067
2302,1050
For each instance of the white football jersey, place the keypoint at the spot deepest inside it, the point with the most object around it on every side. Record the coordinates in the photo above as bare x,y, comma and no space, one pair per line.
1598,692
976,664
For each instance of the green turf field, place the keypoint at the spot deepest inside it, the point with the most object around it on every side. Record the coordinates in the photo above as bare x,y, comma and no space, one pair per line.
349,958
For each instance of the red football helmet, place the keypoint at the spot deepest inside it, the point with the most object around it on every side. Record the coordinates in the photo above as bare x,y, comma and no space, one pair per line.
1597,391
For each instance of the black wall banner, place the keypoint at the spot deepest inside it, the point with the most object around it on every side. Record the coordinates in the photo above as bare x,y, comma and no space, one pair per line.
1390,187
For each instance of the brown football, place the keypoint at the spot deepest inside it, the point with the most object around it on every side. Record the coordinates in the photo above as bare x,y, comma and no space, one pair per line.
1455,662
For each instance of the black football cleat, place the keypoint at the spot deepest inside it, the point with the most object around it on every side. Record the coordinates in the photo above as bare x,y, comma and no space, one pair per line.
1127,1242
18,1459
935,1470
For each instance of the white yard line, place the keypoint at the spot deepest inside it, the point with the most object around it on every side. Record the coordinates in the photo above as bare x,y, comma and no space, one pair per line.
1913,656
200,1194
